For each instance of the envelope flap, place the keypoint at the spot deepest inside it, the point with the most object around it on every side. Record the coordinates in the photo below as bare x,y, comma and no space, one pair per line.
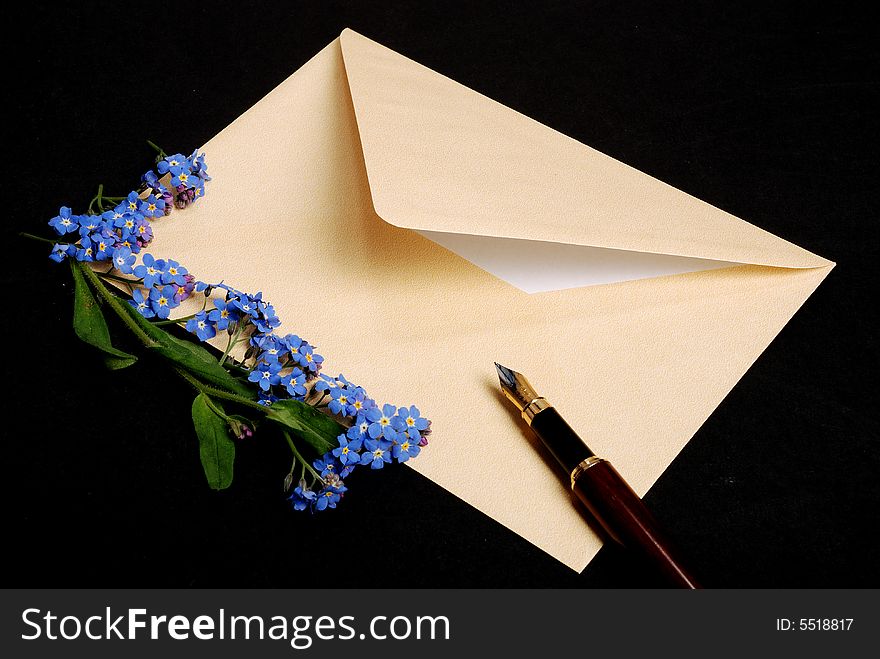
441,157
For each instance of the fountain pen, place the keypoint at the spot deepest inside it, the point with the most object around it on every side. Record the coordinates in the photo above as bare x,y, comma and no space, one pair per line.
613,504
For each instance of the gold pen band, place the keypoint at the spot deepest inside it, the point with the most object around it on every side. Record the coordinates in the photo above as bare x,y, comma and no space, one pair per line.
536,405
582,467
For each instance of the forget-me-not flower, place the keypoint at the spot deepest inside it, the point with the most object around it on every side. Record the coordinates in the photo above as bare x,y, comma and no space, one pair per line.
162,300
295,382
201,326
348,450
265,375
376,453
223,315
123,260
65,221
380,422
151,270
329,496
141,302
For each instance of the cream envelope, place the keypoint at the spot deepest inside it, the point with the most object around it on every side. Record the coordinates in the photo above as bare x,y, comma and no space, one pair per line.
418,231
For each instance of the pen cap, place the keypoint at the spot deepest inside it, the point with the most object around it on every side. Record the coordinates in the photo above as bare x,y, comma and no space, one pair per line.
620,511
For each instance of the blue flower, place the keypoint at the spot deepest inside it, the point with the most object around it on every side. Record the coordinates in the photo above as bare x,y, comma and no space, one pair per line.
198,166
405,449
174,273
326,465
302,498
340,401
129,242
182,176
266,399
152,181
89,224
131,204
177,160
380,422
329,496
151,270
64,222
85,252
360,429
123,260
411,422
266,320
141,302
143,231
153,206
59,252
305,356
126,221
376,453
246,304
270,346
199,191
223,315
163,300
103,245
265,374
348,450
360,403
201,326
294,382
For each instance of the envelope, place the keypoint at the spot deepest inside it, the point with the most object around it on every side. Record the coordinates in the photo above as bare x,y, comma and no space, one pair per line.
417,231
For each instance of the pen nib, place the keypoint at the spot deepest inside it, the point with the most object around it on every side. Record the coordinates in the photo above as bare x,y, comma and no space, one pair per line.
515,387
507,376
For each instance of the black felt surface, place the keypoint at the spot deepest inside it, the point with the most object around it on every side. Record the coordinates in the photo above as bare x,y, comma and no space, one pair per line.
769,113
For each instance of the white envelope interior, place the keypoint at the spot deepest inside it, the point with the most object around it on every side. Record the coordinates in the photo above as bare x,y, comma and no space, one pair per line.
536,266
331,196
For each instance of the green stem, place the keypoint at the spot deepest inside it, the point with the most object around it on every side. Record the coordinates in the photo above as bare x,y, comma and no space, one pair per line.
172,321
42,240
218,393
297,455
159,149
233,340
121,280
216,409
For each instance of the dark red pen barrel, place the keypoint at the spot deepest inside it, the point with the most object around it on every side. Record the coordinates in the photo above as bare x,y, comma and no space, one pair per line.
627,520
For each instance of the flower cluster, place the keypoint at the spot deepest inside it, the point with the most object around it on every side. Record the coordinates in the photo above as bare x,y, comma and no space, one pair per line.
120,232
377,436
280,367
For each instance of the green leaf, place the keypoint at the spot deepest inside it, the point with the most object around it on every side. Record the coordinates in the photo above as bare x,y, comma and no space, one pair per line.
191,356
307,423
89,323
201,363
216,448
118,363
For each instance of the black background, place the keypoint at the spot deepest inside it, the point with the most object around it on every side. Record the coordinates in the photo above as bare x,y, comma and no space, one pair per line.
767,112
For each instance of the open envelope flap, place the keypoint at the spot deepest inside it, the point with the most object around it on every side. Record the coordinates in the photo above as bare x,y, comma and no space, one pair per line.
444,159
